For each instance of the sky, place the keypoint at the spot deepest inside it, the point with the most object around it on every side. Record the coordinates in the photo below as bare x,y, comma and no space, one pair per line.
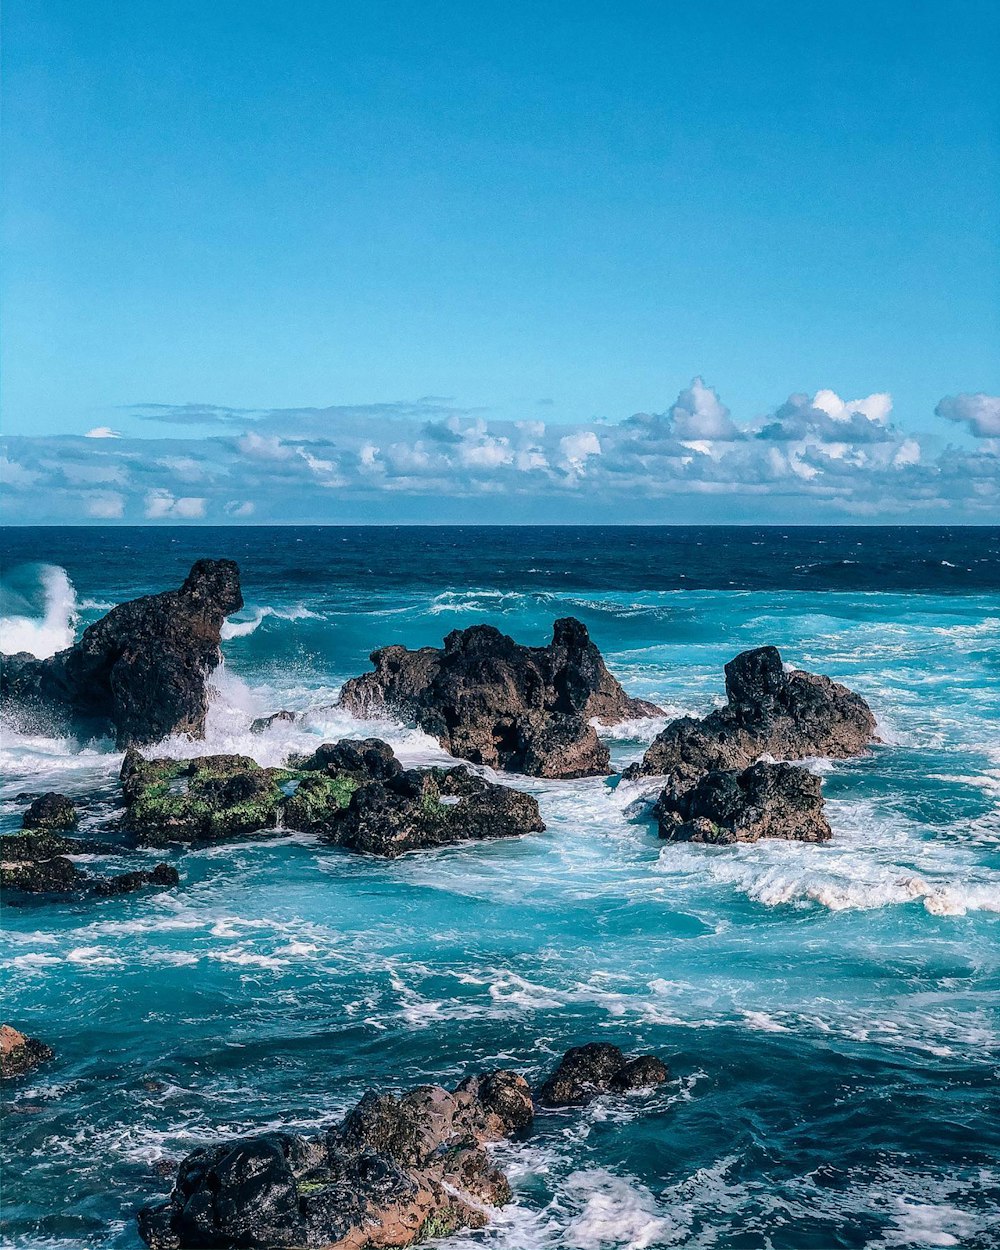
417,262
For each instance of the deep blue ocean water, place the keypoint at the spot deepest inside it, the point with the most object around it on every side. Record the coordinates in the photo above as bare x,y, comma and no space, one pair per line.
829,1013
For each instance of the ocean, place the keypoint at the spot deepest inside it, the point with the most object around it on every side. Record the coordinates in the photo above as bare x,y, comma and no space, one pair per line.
829,1013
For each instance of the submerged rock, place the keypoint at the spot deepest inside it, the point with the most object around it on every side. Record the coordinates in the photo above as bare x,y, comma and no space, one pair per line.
586,1072
51,811
20,1054
488,699
140,673
770,711
200,800
393,1171
763,801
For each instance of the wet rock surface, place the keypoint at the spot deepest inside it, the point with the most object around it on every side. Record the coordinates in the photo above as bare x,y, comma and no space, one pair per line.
19,1054
770,711
587,1072
51,812
763,801
490,700
59,875
207,799
395,1170
140,673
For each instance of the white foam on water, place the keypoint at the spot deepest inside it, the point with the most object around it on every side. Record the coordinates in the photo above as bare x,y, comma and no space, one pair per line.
55,630
615,1214
235,628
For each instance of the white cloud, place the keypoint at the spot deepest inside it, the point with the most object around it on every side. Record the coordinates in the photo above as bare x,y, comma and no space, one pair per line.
981,413
160,504
16,475
102,431
105,506
487,453
577,448
875,407
698,414
264,446
239,508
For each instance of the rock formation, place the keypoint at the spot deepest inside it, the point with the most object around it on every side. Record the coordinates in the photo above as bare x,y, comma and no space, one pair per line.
788,715
140,673
20,1054
763,801
50,811
586,1072
354,794
31,866
488,699
392,1172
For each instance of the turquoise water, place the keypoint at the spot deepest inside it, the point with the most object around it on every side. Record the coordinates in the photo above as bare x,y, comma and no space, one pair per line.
829,1013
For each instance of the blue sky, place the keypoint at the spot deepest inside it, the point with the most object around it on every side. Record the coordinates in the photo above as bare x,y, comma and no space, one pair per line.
336,227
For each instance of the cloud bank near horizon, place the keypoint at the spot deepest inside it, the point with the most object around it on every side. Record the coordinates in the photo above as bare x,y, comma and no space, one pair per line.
815,458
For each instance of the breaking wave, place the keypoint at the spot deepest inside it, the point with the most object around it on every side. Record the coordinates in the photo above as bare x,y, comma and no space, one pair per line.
38,611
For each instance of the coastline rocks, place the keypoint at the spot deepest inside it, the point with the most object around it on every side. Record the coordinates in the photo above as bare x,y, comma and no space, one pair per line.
263,723
199,800
416,810
394,1171
763,801
140,672
770,711
488,699
59,875
50,812
19,1054
586,1072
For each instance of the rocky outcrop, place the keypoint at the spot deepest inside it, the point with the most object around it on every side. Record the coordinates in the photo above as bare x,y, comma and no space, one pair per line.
50,811
788,715
394,1171
488,699
352,793
140,673
586,1072
421,809
263,723
207,799
59,875
763,801
19,1054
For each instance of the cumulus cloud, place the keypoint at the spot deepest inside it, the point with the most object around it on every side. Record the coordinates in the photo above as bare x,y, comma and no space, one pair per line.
102,431
162,505
981,413
813,457
104,506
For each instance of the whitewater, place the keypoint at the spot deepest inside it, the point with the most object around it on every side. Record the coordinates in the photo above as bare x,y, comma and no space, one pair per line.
829,1013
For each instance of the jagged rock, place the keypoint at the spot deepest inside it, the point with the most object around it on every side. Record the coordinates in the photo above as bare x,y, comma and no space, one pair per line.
139,673
788,715
585,1072
263,723
394,1171
329,777
418,809
33,845
488,699
763,801
20,1054
200,800
50,811
59,875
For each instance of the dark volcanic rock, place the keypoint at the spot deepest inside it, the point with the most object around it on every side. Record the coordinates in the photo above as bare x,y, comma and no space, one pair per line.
418,809
59,875
200,800
493,701
51,811
394,1171
788,715
263,723
19,1054
140,672
763,801
585,1072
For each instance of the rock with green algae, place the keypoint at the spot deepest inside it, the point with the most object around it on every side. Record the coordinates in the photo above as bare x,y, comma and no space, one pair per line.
199,800
51,811
19,1054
